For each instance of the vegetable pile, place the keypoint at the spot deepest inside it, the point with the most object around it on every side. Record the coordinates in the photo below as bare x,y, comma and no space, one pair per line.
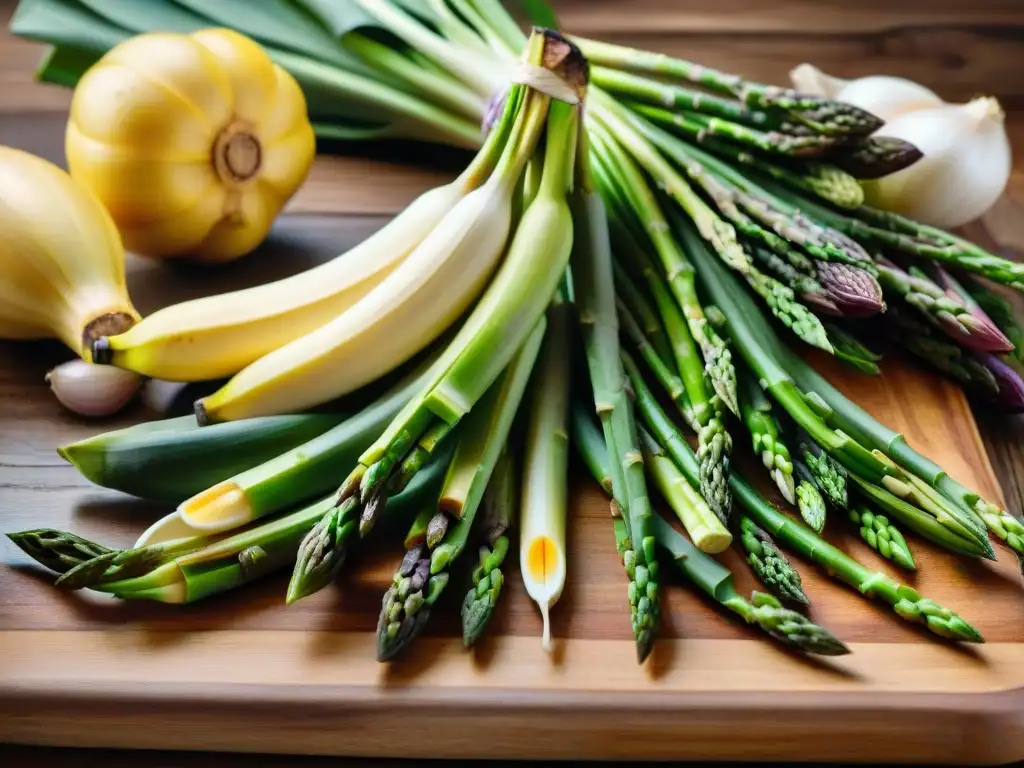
639,243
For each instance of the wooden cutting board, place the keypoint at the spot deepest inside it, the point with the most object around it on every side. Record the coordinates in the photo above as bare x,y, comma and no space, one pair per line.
242,672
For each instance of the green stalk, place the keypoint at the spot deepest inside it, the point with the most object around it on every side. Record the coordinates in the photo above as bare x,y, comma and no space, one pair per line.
706,531
425,570
759,347
499,505
594,285
706,573
631,296
672,384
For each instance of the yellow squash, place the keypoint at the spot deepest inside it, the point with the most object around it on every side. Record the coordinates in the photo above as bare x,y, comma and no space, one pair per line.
61,260
194,143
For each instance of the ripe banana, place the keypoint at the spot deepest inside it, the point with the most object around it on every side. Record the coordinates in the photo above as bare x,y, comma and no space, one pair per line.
61,259
399,318
217,336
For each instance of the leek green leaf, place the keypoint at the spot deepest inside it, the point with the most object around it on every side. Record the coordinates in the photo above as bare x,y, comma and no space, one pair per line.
66,22
280,23
147,16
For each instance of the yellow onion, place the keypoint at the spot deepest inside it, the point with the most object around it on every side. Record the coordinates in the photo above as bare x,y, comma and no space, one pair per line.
194,143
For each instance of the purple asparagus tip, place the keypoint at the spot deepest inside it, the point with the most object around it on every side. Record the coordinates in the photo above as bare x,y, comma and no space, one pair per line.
984,335
1011,385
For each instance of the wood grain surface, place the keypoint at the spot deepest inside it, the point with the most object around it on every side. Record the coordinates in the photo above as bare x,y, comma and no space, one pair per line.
242,673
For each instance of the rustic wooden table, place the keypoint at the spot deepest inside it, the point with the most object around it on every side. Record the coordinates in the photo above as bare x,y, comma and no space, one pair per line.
959,48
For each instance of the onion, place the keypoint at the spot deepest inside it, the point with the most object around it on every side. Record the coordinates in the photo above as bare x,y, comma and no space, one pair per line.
965,168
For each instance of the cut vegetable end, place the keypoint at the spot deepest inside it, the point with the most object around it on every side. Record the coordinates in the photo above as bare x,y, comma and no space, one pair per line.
220,508
168,528
711,541
543,561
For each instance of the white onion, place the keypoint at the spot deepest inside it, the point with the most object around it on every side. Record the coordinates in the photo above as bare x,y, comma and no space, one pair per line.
965,168
92,390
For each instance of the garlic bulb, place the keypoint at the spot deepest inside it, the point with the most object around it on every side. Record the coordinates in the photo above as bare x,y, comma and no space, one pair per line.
965,168
885,96
92,390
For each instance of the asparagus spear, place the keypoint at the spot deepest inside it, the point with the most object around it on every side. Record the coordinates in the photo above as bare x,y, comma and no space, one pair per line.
60,551
946,313
705,128
782,624
439,534
765,434
922,340
765,354
882,536
706,573
801,281
595,299
769,564
499,504
876,156
826,117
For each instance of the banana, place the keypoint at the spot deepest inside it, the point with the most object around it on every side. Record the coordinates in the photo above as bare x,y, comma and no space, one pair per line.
217,336
61,258
399,318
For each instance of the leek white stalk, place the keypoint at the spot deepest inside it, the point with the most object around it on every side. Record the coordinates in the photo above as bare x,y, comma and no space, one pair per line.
542,552
965,168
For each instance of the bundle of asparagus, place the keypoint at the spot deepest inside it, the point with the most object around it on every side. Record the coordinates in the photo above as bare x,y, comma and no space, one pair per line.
713,223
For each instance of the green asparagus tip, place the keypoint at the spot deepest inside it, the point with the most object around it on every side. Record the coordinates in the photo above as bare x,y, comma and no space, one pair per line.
794,628
644,645
320,555
476,613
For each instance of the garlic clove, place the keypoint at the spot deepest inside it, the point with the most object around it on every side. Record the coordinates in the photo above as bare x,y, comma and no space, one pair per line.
966,164
884,96
92,390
